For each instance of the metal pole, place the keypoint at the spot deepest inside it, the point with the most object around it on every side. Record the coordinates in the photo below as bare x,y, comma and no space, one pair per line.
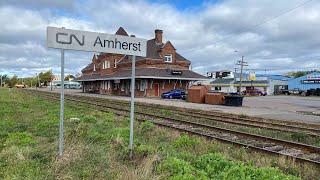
61,105
132,104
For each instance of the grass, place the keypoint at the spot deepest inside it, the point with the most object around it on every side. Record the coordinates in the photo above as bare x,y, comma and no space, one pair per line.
96,147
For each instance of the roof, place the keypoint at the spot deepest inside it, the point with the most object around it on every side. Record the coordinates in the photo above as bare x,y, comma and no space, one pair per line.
305,76
89,66
148,73
121,32
253,82
279,77
222,81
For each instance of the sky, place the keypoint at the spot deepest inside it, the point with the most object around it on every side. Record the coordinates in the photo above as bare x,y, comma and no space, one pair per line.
273,36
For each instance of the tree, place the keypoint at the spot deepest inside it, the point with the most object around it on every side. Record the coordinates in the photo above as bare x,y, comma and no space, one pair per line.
31,81
46,77
69,77
5,79
13,81
297,74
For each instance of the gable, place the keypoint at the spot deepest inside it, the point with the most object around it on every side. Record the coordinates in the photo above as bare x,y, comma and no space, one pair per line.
168,45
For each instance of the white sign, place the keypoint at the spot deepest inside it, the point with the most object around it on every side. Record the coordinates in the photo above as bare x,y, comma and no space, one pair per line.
97,42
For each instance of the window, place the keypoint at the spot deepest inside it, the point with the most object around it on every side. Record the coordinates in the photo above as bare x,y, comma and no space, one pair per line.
94,67
105,65
143,85
115,63
122,86
168,58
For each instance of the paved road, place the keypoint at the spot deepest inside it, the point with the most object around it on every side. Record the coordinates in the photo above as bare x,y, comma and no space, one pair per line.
275,107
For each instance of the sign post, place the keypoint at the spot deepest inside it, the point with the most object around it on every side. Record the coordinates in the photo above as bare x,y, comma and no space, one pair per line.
61,130
61,38
133,74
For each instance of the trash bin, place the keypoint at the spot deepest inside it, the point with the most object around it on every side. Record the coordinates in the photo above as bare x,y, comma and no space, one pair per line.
233,100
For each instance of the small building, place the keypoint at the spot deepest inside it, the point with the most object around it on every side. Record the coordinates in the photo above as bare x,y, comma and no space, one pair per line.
306,82
162,70
270,84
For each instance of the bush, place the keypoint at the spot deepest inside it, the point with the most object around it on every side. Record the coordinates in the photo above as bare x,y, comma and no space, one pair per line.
176,166
180,169
215,166
185,141
144,150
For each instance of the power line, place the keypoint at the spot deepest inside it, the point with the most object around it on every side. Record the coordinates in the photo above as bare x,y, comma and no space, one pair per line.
266,21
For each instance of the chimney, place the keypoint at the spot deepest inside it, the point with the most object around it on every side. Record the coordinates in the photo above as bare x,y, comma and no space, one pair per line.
158,36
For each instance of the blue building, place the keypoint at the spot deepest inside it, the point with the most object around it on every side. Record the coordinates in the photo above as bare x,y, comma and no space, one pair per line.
307,82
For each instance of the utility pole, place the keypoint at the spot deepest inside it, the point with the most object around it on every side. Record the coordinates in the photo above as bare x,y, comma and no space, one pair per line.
241,64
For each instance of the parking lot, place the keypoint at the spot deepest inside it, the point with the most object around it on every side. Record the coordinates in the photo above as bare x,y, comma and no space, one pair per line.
295,108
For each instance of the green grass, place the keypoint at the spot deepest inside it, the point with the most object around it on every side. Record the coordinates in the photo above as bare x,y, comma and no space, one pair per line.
96,147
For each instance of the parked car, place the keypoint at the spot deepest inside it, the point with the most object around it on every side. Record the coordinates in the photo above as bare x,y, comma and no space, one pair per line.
254,92
174,94
296,91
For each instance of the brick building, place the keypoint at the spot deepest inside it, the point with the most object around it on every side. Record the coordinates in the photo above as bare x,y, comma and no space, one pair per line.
162,70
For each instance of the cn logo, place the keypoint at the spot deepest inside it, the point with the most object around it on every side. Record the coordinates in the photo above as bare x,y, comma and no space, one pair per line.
72,36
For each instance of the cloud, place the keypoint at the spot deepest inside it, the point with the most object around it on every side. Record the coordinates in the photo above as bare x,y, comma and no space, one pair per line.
61,4
207,34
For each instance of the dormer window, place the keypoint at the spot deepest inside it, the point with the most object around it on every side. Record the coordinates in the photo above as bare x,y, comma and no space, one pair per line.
168,58
94,67
105,65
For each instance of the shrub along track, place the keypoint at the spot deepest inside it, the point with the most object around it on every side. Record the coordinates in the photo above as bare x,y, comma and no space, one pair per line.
297,151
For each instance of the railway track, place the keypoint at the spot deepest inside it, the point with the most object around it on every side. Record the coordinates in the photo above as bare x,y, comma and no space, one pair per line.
297,151
283,126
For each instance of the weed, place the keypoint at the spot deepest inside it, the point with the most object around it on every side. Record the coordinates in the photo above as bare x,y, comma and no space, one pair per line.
146,127
89,119
19,139
185,141
299,136
144,150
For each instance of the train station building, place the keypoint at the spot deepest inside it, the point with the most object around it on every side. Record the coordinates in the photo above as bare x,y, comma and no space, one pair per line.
162,70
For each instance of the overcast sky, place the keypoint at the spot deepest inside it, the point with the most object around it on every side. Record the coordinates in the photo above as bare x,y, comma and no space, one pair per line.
279,36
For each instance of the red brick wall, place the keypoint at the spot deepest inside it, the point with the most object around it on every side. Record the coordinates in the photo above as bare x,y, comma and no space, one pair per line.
149,92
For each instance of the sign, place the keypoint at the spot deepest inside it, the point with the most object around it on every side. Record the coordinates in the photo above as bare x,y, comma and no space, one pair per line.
313,77
174,72
310,81
252,76
61,38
